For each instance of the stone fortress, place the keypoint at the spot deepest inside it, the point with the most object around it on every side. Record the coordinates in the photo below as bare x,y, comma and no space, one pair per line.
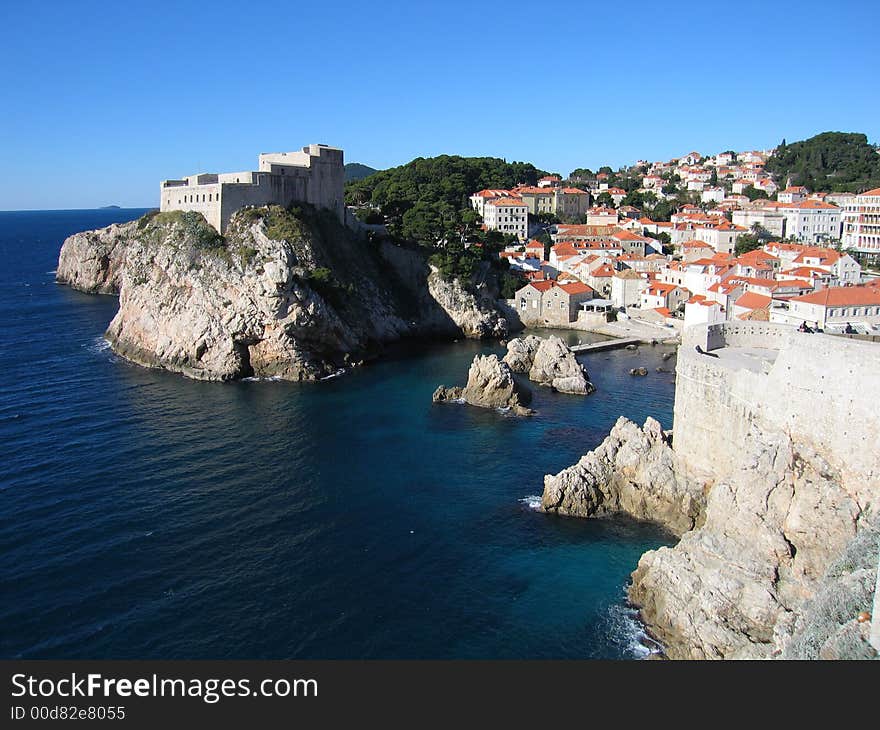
315,175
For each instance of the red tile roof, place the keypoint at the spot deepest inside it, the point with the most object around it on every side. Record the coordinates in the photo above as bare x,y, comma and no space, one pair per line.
842,296
576,288
751,300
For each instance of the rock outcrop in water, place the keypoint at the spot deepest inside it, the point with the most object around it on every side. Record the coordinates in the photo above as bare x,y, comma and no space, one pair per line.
490,384
548,361
634,471
776,492
290,295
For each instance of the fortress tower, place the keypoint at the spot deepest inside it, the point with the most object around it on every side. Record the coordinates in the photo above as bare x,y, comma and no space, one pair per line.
315,175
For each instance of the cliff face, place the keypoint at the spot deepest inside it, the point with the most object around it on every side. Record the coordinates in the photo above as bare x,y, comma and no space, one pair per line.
778,439
282,295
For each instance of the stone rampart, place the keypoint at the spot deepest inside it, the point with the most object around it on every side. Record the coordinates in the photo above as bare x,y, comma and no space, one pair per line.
815,390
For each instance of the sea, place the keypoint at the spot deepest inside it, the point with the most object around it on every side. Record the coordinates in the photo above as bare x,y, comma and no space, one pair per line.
145,515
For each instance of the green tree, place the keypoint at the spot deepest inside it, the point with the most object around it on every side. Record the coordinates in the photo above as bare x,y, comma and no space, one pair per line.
837,161
752,193
581,172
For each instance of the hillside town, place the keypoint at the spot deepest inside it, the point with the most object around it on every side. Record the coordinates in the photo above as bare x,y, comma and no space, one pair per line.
743,248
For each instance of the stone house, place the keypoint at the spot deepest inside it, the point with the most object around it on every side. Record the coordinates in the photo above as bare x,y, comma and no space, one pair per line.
542,303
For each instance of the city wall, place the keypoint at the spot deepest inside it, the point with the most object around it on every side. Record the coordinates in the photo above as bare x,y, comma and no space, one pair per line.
820,390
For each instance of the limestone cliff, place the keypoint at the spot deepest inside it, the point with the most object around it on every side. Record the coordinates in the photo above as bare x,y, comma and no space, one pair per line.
778,439
289,295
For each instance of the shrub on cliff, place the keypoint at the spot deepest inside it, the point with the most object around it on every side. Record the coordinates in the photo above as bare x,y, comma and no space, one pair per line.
195,230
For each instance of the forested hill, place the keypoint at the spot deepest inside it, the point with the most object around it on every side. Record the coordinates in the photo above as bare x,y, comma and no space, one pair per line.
357,171
427,199
836,161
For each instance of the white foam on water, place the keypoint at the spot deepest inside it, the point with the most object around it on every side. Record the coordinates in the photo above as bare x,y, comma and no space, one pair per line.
629,633
98,345
339,372
267,379
533,502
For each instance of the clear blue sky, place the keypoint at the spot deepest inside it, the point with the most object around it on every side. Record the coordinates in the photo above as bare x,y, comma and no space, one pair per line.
102,100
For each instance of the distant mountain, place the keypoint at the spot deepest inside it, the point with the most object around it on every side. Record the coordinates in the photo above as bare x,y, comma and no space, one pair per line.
110,207
838,161
357,171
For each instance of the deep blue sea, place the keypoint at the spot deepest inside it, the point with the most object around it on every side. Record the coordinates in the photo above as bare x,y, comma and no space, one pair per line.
144,515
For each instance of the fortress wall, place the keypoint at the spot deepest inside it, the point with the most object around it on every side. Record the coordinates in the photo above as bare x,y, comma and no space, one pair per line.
738,334
327,182
821,390
279,189
315,175
189,198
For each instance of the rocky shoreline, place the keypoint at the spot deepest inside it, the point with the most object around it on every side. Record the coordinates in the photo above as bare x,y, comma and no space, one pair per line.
290,295
765,521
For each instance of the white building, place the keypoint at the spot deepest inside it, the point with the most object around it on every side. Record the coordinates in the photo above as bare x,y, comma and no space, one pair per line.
770,220
478,200
508,215
792,194
861,223
626,288
713,195
811,220
833,308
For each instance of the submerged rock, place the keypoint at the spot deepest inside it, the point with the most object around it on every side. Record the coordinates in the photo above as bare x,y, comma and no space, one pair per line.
548,361
639,371
490,384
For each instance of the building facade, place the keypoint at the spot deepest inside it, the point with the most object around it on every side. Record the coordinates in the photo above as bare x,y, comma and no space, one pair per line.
508,215
861,223
812,221
315,175
546,302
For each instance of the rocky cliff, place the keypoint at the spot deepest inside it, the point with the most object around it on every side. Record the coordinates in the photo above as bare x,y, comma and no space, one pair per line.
287,294
770,468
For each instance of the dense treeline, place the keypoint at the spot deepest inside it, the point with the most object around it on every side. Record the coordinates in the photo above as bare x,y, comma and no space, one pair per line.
357,171
835,161
426,200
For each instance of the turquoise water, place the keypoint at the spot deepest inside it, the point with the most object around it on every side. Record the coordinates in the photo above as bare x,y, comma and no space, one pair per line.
146,515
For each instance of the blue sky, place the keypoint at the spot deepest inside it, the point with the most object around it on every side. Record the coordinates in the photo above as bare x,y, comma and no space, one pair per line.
102,100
